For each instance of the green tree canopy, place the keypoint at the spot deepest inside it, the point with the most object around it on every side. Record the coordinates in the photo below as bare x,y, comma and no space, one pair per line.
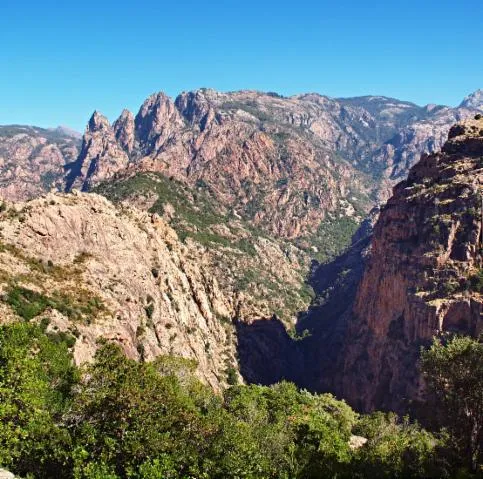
453,370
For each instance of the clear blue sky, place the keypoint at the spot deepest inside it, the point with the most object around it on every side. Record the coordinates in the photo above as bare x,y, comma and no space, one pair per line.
62,60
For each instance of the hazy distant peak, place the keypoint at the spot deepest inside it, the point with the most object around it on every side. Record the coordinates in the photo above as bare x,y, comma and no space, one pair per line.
65,130
473,100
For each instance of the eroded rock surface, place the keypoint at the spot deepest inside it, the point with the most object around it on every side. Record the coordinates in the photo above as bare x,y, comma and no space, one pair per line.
32,159
100,271
423,275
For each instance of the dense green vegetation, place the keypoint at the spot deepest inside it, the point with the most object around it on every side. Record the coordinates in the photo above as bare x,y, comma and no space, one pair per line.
454,372
333,237
118,418
475,282
28,304
195,209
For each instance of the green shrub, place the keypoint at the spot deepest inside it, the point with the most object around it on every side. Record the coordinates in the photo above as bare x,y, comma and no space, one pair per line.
28,303
476,281
118,418
149,309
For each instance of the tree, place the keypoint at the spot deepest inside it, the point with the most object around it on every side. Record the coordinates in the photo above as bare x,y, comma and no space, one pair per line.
126,412
36,377
323,429
397,449
453,369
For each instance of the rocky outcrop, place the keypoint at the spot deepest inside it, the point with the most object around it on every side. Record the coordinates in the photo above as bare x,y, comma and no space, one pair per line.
124,131
94,270
423,274
4,474
32,159
118,274
157,122
101,155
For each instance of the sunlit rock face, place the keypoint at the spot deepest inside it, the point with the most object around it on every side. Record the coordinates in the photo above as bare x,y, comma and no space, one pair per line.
422,275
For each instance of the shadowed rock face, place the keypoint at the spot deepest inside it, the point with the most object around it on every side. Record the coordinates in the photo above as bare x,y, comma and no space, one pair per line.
266,353
425,250
311,359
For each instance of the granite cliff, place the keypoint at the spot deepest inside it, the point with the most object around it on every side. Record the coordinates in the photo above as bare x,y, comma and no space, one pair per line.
423,276
94,270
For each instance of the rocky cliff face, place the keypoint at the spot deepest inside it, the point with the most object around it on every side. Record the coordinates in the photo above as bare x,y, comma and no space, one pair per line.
95,271
101,155
424,274
32,159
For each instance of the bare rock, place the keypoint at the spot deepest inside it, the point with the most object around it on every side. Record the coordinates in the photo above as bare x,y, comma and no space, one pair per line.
100,158
124,131
418,281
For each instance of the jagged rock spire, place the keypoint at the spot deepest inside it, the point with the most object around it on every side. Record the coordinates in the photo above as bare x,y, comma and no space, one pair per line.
124,130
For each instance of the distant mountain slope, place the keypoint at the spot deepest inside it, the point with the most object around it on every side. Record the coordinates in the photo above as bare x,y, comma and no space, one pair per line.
289,165
307,168
32,159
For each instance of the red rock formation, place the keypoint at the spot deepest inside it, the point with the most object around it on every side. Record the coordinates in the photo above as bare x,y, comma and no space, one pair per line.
418,281
101,155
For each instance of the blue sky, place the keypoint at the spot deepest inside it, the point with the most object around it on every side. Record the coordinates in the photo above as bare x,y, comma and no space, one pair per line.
62,60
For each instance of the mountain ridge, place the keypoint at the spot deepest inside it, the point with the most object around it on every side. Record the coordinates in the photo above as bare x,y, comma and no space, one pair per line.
202,135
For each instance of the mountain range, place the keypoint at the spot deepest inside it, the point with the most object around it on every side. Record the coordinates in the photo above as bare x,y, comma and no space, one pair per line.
243,230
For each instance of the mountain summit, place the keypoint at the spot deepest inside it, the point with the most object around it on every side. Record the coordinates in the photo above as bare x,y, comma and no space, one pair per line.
287,164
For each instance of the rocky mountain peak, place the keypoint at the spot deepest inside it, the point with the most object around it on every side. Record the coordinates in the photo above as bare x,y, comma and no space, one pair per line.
194,105
98,122
156,120
474,100
101,155
287,164
124,130
69,132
